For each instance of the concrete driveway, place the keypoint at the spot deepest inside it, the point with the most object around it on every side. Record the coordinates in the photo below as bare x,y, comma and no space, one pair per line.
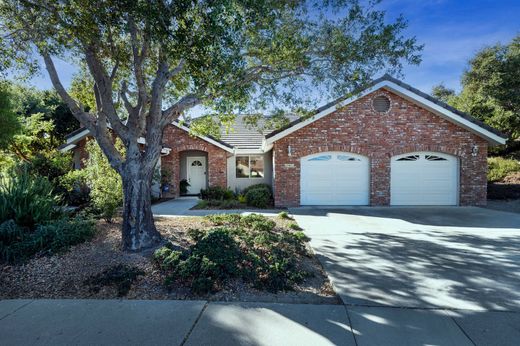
463,258
414,275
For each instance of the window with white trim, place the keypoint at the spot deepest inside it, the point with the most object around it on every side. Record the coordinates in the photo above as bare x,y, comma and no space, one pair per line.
249,166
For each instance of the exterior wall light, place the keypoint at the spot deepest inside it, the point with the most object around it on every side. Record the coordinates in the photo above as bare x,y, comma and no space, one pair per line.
474,151
289,150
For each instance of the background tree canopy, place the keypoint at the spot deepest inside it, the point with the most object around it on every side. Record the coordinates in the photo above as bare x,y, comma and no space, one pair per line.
491,88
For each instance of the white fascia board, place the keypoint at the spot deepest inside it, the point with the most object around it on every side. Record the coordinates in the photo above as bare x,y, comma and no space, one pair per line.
67,148
78,136
323,113
446,114
437,109
249,152
207,139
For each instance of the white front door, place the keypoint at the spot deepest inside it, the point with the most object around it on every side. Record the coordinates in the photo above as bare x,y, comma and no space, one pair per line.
424,178
334,178
196,174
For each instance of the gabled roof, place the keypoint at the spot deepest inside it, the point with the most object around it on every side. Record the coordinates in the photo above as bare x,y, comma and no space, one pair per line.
74,137
406,91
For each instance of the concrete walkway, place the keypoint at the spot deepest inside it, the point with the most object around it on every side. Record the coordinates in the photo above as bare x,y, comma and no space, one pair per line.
181,207
134,322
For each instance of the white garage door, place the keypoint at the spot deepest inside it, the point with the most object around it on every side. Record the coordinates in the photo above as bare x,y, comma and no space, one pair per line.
334,178
424,178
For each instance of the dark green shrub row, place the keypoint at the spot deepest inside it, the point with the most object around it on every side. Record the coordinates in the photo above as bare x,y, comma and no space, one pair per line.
19,243
217,193
249,247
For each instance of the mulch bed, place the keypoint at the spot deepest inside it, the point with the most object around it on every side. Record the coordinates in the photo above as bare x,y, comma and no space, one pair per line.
65,275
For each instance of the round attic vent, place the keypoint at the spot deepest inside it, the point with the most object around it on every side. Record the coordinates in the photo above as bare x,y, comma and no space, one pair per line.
381,104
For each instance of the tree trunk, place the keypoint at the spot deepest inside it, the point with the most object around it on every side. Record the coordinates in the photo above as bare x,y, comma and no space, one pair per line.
139,230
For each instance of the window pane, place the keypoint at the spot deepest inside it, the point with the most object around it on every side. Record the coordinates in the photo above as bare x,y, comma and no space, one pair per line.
257,166
242,164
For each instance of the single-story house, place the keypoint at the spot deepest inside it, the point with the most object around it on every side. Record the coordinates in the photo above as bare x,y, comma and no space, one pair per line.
390,144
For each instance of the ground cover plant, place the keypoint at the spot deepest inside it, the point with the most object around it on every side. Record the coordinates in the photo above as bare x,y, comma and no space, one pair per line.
250,247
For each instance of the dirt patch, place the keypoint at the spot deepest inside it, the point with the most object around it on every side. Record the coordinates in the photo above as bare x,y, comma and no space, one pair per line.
64,276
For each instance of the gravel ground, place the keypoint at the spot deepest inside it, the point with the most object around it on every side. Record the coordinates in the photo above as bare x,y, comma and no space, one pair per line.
64,275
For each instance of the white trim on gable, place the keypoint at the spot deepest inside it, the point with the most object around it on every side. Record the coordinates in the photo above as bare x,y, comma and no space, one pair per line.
207,139
409,95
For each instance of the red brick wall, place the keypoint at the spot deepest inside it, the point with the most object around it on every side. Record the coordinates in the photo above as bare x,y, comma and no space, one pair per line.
179,140
357,128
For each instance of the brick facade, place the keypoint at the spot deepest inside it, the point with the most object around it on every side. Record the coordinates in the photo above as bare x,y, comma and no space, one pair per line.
179,140
357,128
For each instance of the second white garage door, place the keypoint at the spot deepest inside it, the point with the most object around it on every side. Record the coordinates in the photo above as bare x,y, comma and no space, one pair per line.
334,178
424,178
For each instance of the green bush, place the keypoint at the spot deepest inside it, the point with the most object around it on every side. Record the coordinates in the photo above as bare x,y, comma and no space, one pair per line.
284,215
259,197
218,204
499,168
20,243
250,247
217,193
294,226
256,186
26,199
214,258
224,219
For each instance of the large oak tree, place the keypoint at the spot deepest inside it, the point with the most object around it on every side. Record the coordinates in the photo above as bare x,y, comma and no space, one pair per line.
151,61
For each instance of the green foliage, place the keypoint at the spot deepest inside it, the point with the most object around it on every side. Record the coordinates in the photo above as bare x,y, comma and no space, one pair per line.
219,204
233,52
216,193
490,88
499,168
294,226
259,196
9,121
106,189
183,186
121,276
224,219
249,247
19,243
284,215
27,199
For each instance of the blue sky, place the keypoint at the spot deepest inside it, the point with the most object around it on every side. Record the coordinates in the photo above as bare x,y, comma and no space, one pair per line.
451,30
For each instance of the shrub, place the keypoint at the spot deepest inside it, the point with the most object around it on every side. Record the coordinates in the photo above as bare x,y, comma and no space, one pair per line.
106,188
256,186
284,215
260,197
20,243
250,247
500,167
26,199
216,193
224,219
121,276
215,257
294,226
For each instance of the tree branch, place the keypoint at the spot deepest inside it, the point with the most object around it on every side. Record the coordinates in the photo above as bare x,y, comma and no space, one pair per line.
86,119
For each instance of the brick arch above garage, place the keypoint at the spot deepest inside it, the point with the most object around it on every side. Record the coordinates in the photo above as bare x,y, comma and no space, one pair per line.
358,129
